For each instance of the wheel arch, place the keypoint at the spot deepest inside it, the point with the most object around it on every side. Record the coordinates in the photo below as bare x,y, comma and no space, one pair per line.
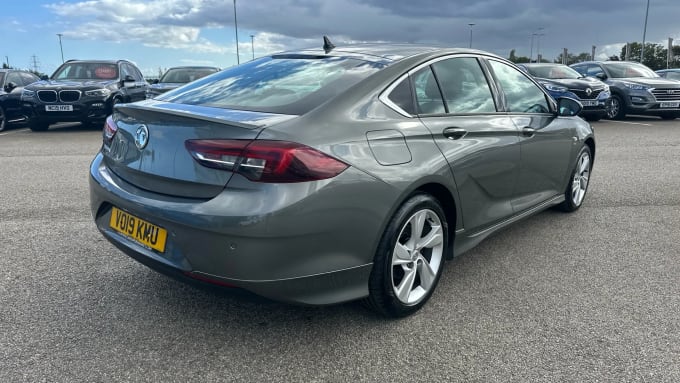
445,197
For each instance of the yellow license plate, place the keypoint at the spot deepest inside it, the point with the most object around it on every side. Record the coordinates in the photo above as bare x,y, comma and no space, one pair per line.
138,229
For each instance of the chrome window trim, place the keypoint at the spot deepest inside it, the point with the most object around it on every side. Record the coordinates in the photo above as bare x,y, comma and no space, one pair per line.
384,96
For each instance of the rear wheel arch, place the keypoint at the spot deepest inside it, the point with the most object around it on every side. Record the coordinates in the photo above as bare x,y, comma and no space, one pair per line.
445,197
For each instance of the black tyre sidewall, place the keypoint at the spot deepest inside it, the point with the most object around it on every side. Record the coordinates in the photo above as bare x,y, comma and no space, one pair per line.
568,204
382,297
622,108
3,119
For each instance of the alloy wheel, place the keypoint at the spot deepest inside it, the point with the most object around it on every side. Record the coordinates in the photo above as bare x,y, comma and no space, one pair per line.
579,184
417,257
614,107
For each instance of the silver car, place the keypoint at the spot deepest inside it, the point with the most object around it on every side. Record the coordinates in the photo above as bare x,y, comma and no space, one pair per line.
330,175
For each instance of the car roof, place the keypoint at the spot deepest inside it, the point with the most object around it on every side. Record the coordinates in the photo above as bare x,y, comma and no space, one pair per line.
376,52
98,61
541,64
669,70
194,67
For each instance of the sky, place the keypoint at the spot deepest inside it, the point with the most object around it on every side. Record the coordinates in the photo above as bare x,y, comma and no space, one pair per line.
158,34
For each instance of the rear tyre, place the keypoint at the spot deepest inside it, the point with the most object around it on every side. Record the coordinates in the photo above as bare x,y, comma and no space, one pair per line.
578,182
410,258
3,119
617,108
38,126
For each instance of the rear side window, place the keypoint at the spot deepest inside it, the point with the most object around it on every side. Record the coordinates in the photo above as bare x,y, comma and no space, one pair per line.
428,96
464,86
402,96
278,84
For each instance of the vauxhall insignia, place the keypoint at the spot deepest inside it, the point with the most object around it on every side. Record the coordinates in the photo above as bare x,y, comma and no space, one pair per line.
142,137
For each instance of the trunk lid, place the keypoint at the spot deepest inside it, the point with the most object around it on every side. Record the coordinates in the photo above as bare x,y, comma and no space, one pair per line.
148,149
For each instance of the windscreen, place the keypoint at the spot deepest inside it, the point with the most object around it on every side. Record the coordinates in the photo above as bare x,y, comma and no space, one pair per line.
290,84
184,75
86,71
628,70
553,71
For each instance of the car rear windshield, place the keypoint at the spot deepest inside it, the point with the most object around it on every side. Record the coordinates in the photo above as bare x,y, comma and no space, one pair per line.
627,70
86,71
553,71
287,84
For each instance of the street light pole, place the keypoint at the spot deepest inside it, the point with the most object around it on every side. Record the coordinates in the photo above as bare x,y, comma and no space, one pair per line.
252,45
238,60
471,25
538,44
644,35
61,48
531,50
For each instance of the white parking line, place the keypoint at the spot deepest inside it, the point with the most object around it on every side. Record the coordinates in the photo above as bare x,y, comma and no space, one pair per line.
13,131
627,122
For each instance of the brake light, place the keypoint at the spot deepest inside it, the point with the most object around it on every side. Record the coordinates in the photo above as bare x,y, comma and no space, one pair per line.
110,129
266,161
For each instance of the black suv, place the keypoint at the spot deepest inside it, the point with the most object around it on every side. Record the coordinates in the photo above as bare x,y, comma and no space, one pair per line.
82,91
12,82
635,88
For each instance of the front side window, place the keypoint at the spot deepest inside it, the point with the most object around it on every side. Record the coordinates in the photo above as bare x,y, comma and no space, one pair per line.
521,94
464,86
290,84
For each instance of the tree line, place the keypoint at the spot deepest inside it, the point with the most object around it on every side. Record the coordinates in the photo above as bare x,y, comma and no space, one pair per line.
656,56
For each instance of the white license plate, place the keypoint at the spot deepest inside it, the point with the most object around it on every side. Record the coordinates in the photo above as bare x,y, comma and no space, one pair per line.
669,104
59,108
589,103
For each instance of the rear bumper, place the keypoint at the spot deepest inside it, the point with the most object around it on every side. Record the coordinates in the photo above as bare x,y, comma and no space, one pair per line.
292,253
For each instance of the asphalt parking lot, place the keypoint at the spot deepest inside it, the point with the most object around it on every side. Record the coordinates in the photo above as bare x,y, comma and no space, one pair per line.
584,297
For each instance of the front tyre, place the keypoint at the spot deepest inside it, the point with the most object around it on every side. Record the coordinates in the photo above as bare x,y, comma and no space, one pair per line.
38,126
410,258
617,108
578,183
3,119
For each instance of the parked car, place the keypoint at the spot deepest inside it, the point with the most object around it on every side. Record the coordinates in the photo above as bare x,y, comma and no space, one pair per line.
12,82
178,76
329,175
635,88
562,81
673,74
82,91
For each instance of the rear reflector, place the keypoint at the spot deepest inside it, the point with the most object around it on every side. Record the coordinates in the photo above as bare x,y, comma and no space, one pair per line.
266,161
110,129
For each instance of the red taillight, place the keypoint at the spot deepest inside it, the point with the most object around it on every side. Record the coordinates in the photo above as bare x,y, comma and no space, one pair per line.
266,161
110,129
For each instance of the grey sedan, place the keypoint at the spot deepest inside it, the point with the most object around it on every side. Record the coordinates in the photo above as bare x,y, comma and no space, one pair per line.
329,175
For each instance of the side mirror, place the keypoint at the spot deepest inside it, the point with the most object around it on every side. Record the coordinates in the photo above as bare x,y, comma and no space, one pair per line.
568,107
601,76
10,86
44,77
129,81
155,81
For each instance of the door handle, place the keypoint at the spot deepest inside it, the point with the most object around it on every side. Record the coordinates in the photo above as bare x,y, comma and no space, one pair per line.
454,133
528,132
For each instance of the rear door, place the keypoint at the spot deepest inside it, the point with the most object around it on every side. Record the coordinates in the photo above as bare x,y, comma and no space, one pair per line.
455,101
